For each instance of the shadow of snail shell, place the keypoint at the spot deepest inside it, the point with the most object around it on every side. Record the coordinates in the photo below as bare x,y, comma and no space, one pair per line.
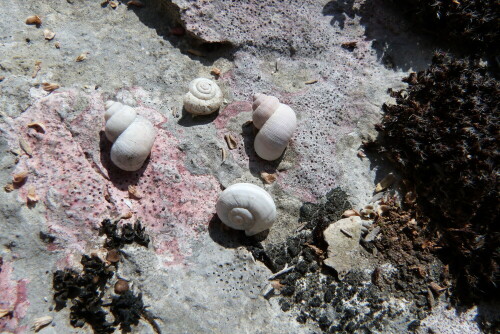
204,97
245,206
276,123
132,136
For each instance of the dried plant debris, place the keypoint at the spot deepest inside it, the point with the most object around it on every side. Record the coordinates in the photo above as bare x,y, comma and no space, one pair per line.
118,236
50,87
442,134
475,23
86,289
34,19
315,293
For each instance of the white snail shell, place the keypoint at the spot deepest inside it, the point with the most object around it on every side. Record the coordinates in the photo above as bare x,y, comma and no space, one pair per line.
132,136
245,206
276,122
204,97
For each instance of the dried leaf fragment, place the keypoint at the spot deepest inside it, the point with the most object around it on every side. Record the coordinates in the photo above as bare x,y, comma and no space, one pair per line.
350,213
385,183
215,71
39,127
20,177
231,141
316,250
25,146
276,284
268,178
436,288
34,19
49,87
9,187
32,196
134,192
127,215
38,67
135,3
223,154
113,256
49,35
39,323
113,4
4,312
196,52
310,82
83,56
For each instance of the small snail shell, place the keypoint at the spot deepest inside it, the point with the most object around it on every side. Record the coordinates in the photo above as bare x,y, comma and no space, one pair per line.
276,122
204,97
132,136
245,206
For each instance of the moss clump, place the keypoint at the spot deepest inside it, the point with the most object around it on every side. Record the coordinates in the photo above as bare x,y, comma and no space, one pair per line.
443,134
474,22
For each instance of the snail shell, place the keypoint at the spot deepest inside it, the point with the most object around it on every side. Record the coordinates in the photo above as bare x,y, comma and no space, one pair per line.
276,122
245,206
132,136
204,97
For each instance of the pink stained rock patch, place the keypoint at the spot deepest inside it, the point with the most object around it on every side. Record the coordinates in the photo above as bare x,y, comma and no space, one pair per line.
73,177
13,296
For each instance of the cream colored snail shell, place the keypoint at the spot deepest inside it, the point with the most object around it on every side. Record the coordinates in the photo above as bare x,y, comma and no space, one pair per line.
204,97
245,206
132,136
276,122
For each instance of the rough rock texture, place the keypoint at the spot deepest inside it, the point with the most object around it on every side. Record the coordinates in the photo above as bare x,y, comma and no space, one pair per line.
142,56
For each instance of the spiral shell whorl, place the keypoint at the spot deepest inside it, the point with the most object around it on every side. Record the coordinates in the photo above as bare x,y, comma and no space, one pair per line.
132,136
204,97
277,123
244,206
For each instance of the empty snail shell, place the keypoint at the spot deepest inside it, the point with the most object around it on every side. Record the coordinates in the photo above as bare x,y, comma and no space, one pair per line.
204,97
132,136
245,206
276,122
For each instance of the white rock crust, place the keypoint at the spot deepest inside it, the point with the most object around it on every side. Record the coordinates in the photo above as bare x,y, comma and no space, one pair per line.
277,123
204,97
132,136
245,206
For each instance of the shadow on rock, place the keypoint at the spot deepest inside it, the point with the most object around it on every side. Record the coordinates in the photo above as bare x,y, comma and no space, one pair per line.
256,164
393,38
189,120
121,179
164,17
231,238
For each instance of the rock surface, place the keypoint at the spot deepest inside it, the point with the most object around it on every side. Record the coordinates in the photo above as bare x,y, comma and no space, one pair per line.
195,277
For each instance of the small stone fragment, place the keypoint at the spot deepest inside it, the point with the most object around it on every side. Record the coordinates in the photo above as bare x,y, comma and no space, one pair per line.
113,4
49,35
121,286
39,127
57,45
372,234
49,87
361,154
9,187
38,66
385,183
134,192
25,146
32,196
268,178
113,256
83,56
39,323
20,177
34,19
231,141
2,78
